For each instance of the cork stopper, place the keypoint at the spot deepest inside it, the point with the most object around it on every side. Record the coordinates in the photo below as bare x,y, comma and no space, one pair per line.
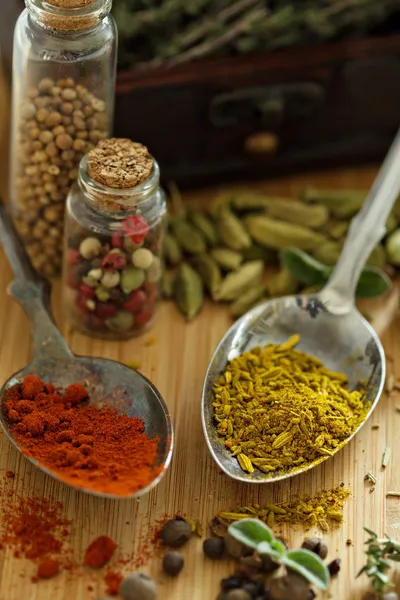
70,4
119,163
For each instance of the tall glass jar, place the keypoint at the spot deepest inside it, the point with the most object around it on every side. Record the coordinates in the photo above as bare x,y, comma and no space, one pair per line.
113,242
64,67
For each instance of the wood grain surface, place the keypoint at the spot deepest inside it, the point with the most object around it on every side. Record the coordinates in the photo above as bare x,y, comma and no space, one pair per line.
176,363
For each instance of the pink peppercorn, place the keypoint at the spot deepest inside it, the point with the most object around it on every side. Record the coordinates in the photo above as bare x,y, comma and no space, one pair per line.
86,291
106,310
136,301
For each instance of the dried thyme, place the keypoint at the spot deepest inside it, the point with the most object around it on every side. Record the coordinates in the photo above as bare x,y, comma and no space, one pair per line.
278,409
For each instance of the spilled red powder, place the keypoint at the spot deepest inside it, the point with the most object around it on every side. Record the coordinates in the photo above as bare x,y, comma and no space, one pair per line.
10,474
113,580
33,526
99,552
48,568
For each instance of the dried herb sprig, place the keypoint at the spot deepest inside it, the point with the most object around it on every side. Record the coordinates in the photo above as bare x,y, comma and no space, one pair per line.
258,536
379,552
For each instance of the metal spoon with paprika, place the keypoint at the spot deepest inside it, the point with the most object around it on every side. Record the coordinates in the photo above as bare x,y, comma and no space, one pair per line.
112,383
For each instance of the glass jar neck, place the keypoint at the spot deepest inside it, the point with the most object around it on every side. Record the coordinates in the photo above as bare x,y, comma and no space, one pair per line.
65,20
117,203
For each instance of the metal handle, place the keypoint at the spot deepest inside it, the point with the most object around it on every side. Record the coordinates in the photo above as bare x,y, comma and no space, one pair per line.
33,294
365,231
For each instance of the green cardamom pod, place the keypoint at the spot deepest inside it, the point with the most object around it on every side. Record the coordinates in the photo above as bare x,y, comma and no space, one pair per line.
378,257
341,203
282,284
189,291
277,234
393,248
205,226
232,231
189,238
209,271
221,201
337,229
246,201
328,252
391,223
313,215
247,300
268,255
396,208
172,250
228,260
237,282
168,284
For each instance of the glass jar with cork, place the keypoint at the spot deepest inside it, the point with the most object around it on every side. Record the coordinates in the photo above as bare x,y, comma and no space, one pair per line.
64,68
114,230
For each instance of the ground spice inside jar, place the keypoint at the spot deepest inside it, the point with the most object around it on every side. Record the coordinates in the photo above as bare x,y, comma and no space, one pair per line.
89,447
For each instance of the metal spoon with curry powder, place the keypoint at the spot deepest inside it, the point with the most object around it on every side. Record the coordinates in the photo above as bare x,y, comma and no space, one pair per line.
328,323
110,383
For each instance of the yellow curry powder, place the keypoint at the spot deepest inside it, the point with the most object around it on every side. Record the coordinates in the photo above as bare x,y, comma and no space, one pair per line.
278,409
321,510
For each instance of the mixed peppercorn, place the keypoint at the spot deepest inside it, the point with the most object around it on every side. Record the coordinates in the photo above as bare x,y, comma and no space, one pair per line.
114,279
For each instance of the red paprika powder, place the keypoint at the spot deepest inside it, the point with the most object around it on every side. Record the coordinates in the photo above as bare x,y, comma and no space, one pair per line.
88,447
99,552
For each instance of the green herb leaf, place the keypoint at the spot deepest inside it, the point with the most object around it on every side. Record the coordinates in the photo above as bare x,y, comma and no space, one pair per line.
395,557
278,547
309,565
251,532
373,282
268,549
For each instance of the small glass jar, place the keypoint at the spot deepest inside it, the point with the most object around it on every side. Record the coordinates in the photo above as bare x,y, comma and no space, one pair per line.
64,68
113,255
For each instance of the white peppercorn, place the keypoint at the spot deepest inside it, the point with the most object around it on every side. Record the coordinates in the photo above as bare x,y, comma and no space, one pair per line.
90,247
142,258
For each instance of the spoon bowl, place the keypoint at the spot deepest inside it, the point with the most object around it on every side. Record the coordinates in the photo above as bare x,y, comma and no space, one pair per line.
345,343
109,383
329,325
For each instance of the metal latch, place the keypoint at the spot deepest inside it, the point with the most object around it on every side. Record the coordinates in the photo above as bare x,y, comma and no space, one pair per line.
267,105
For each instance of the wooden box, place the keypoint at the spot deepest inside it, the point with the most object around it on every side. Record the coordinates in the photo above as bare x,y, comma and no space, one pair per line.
254,116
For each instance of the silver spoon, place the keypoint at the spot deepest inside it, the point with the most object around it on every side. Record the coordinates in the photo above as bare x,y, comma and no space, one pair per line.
113,383
329,324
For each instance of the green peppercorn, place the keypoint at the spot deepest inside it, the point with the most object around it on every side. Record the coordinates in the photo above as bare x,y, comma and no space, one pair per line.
214,547
131,279
138,586
173,563
176,532
123,321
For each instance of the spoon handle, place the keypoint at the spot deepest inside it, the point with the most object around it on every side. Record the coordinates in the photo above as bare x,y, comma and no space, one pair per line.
33,294
365,232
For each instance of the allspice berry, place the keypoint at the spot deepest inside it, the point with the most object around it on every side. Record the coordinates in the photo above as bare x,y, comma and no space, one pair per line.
214,547
173,563
288,587
316,545
176,532
138,586
235,548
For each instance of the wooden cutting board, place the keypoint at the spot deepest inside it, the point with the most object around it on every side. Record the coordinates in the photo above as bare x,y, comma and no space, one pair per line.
176,363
